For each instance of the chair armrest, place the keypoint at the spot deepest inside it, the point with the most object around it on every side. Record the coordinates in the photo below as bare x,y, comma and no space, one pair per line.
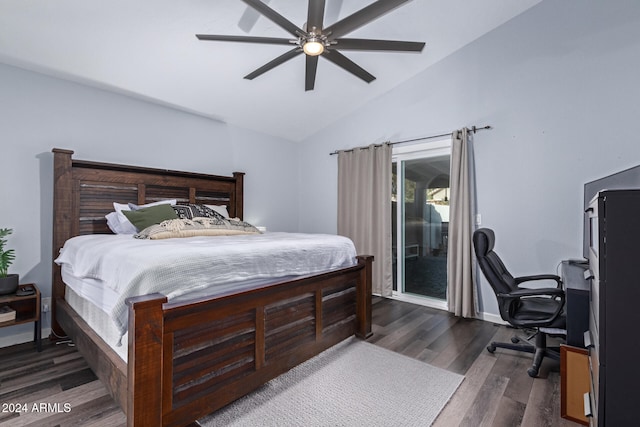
526,292
523,279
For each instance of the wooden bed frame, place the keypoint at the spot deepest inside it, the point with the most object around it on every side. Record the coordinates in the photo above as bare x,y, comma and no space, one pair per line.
188,359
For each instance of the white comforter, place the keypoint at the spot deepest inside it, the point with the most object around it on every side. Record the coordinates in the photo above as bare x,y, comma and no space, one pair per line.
174,267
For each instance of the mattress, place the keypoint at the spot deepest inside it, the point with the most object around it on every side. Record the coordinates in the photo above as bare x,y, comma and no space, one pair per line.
99,321
107,269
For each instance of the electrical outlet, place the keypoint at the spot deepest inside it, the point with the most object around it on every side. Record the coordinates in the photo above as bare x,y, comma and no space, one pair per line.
478,219
46,304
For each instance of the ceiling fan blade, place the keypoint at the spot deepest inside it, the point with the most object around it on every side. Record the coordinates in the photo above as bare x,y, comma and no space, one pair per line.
275,17
249,18
361,17
315,15
310,75
367,44
344,62
272,64
243,39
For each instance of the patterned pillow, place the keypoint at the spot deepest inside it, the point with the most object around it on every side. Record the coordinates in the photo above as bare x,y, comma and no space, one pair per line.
196,227
190,211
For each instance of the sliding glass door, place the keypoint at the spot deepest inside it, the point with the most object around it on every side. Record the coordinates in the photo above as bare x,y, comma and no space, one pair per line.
420,203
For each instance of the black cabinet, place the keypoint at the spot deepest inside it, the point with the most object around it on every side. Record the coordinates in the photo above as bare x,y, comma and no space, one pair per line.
614,263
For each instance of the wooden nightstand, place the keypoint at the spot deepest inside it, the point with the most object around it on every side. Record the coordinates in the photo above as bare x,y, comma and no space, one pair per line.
27,310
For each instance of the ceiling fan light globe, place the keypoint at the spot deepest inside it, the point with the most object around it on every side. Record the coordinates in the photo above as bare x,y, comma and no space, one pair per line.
313,48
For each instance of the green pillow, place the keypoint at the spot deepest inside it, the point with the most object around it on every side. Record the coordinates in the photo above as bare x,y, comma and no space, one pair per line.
145,217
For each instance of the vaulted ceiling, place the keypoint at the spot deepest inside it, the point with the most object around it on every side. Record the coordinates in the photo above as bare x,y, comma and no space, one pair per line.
148,49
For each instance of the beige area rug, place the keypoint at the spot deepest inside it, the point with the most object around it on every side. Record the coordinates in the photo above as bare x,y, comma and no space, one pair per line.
352,384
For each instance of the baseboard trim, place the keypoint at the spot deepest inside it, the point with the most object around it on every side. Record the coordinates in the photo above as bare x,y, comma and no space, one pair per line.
490,317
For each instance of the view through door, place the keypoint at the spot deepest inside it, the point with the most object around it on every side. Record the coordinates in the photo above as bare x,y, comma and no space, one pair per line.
420,203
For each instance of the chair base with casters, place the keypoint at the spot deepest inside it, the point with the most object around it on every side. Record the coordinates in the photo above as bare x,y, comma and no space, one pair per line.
538,309
539,349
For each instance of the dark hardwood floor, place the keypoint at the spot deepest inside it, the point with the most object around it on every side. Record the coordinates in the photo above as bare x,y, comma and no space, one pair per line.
56,388
496,391
52,388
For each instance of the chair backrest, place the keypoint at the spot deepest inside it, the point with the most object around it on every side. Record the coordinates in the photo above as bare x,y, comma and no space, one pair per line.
492,267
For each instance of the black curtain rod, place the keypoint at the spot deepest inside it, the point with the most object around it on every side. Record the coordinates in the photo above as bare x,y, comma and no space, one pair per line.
473,129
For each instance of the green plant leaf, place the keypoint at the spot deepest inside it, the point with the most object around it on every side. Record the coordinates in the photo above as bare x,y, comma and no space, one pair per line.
6,256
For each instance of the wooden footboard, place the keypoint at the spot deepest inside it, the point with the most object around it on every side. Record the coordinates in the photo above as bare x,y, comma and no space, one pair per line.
187,360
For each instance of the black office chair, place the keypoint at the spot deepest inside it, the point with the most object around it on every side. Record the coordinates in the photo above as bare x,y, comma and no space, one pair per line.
539,309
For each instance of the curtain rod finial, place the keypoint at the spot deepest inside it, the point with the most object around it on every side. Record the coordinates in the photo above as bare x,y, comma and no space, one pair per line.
475,129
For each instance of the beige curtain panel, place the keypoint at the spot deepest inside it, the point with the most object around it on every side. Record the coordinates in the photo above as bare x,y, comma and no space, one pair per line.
364,207
460,262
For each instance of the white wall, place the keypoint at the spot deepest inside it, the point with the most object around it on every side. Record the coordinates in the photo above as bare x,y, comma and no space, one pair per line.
559,84
38,113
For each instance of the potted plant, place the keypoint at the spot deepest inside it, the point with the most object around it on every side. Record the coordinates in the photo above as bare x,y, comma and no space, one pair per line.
8,282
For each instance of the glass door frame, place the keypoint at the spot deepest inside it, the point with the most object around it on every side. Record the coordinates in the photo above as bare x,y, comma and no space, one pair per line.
422,150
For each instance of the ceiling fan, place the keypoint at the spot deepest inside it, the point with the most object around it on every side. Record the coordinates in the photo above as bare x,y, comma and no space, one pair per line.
315,40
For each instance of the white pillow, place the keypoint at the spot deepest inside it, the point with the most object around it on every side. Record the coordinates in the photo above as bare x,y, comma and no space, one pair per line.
120,224
114,224
221,209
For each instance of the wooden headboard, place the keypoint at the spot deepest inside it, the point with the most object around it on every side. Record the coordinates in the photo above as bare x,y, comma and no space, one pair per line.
84,193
